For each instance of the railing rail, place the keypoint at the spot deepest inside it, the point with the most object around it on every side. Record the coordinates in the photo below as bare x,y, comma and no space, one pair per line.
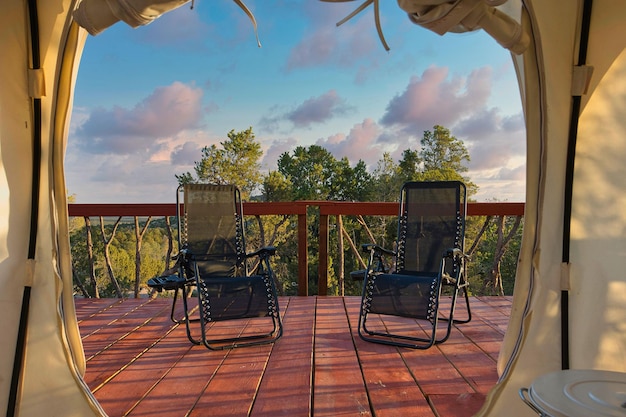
298,208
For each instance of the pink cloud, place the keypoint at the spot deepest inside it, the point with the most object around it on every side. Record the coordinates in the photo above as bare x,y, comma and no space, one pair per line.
186,154
366,141
166,112
318,109
434,99
275,150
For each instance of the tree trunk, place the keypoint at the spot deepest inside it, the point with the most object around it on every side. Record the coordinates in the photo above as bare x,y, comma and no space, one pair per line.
495,278
170,243
107,254
479,236
80,284
92,273
355,250
341,277
138,238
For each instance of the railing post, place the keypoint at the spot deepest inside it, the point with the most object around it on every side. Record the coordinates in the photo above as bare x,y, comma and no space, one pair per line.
322,272
303,253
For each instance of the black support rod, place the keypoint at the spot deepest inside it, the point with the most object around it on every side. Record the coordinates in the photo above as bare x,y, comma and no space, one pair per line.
20,347
569,182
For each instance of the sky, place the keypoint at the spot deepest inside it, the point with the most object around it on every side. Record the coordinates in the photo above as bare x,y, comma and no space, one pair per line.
148,99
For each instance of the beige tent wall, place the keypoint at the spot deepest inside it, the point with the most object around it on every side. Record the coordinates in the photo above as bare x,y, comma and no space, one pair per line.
532,343
51,381
598,283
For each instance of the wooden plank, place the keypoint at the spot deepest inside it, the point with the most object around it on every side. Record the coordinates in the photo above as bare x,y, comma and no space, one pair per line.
232,390
119,395
177,392
339,389
104,318
89,307
486,329
476,366
125,340
432,370
391,387
105,329
457,405
286,387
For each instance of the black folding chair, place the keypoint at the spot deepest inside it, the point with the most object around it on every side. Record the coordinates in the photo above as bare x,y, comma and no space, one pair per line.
429,258
213,262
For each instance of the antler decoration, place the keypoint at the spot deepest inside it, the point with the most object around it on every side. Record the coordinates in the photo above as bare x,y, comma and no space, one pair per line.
252,19
360,9
97,15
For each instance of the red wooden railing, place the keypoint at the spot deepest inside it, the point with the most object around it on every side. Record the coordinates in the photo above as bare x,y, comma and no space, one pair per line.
298,208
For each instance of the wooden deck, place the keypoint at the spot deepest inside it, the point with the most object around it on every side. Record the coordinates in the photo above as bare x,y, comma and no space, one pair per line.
139,363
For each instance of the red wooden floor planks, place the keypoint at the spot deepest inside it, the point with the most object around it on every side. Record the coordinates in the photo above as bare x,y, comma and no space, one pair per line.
142,364
391,386
286,387
137,332
181,386
339,386
233,388
114,313
122,392
87,307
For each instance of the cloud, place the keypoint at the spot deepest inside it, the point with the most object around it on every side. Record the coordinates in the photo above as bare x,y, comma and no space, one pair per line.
493,141
166,112
433,99
314,110
367,141
324,43
275,150
318,109
186,154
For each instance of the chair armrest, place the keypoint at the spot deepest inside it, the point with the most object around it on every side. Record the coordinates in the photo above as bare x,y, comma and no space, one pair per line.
368,247
264,251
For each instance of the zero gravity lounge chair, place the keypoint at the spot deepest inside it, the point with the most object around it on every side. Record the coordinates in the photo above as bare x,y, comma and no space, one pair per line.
428,259
213,259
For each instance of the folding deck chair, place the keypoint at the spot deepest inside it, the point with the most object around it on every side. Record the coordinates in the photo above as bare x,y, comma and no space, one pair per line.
213,262
428,257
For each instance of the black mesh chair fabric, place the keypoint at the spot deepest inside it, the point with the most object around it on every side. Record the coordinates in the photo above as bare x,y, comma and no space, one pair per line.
429,255
214,262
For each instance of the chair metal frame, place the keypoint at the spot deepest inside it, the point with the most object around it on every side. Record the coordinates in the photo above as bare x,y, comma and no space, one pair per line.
191,277
451,272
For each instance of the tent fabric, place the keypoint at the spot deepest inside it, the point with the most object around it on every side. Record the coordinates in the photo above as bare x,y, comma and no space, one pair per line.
96,16
592,280
550,74
50,380
465,15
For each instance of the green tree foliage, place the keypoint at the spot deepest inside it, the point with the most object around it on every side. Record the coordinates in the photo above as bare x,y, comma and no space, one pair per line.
313,173
235,162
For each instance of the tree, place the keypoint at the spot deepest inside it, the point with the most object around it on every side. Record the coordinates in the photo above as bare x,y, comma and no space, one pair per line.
409,167
236,162
277,187
311,171
385,179
443,157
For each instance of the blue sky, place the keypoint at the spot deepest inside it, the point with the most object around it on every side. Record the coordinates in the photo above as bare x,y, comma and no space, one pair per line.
149,99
